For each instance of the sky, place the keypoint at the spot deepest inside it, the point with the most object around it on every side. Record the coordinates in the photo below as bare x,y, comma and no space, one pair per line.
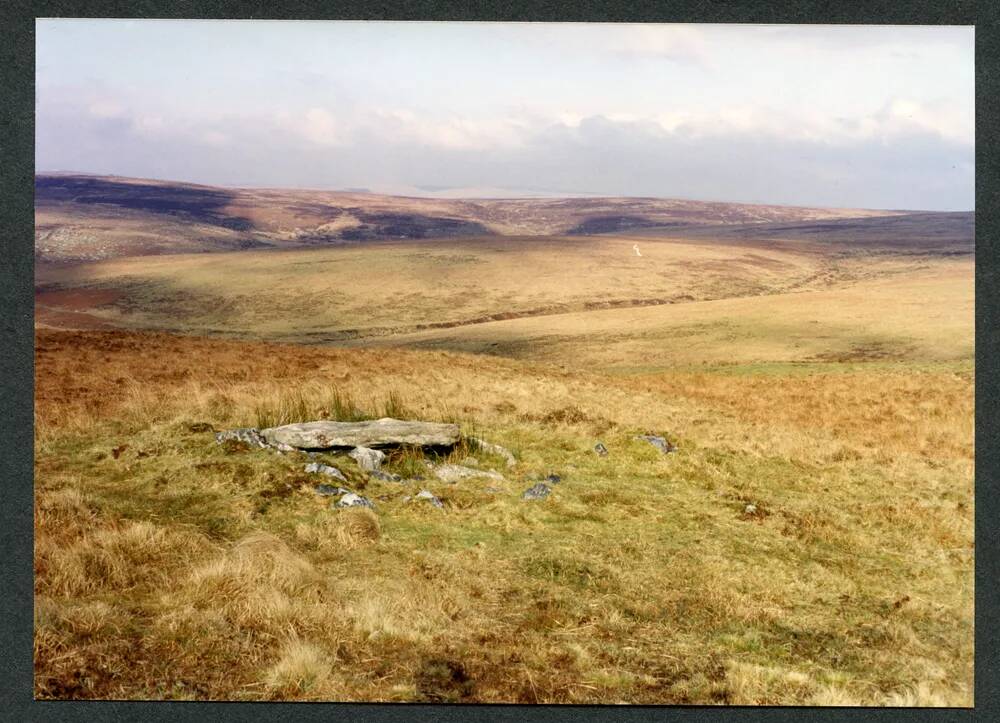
848,116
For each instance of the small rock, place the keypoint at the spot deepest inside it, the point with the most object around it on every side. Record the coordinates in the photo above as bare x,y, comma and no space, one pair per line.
553,478
429,496
452,473
660,443
368,459
494,449
200,427
330,490
539,492
317,468
385,476
354,500
750,509
248,435
601,450
284,448
470,462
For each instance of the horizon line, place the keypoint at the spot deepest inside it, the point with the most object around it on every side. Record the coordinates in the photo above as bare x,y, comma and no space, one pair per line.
525,194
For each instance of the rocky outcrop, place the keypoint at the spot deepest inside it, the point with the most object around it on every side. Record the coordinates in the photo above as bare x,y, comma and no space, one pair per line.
330,491
368,459
452,473
539,492
325,469
354,500
496,449
660,443
430,497
248,436
378,433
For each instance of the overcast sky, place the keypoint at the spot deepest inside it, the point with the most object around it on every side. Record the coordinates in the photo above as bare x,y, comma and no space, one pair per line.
878,117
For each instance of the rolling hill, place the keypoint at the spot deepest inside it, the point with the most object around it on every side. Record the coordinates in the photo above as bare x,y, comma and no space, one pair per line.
809,541
86,218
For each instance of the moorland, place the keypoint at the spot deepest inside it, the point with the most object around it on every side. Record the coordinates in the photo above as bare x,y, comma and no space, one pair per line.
809,541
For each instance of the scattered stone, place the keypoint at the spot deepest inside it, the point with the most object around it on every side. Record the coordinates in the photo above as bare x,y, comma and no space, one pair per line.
385,476
496,449
354,500
284,448
750,509
452,473
249,435
539,492
601,450
318,468
470,462
660,443
331,491
378,433
553,478
427,495
200,427
368,459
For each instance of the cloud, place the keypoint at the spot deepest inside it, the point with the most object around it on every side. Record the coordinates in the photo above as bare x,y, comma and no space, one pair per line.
316,126
904,154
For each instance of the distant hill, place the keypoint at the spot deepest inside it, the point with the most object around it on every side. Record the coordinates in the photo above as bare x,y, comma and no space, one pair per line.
85,218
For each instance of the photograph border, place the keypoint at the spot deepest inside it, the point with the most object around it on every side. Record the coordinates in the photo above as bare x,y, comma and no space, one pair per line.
17,364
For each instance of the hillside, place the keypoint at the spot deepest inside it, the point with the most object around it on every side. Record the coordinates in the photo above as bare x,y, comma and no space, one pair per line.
84,218
456,290
914,233
810,541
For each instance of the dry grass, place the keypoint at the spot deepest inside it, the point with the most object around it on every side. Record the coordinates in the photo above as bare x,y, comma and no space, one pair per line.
170,567
417,287
923,313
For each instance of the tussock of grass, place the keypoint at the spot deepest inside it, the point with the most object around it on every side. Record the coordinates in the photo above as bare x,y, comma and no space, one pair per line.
329,535
302,668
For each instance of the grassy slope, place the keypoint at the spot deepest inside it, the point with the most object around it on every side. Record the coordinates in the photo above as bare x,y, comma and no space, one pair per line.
304,294
839,403
923,314
176,569
379,289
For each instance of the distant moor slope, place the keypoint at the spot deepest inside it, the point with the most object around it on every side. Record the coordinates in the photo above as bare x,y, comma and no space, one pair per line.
86,218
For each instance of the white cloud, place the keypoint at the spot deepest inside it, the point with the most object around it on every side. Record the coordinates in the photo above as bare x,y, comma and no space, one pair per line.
317,126
610,108
453,132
